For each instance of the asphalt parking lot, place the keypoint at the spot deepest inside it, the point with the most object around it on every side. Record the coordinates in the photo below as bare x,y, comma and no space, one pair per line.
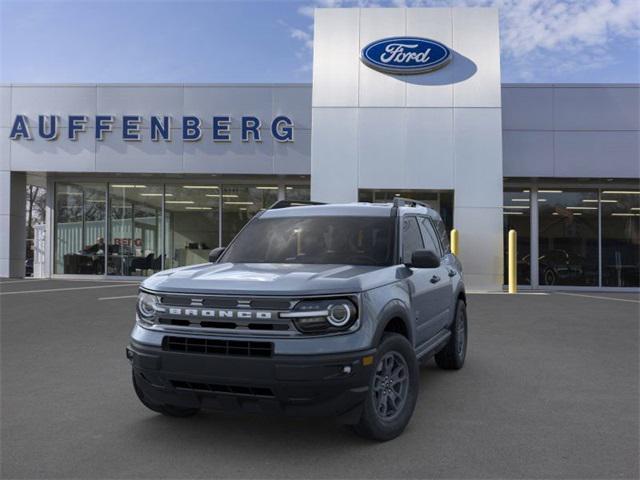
550,390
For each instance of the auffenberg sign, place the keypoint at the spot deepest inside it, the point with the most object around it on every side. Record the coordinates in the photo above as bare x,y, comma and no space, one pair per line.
49,127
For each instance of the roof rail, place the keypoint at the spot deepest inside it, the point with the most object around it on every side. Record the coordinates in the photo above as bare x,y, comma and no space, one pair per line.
292,203
408,202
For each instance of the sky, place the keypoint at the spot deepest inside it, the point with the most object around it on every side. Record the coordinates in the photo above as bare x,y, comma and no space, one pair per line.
180,41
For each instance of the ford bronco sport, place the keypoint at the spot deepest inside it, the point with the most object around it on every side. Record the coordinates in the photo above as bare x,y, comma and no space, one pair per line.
310,310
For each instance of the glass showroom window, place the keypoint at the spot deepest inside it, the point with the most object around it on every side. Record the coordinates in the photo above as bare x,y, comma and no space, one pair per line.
240,203
297,192
568,237
620,238
135,215
192,223
79,228
517,216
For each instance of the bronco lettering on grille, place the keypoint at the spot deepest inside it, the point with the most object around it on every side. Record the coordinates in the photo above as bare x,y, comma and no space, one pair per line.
221,314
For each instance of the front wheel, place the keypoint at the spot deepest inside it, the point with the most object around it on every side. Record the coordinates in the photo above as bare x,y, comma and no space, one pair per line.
393,390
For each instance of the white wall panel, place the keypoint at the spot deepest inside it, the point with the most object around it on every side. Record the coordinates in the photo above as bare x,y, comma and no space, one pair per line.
597,154
597,108
62,155
335,72
377,89
382,136
481,242
50,100
205,102
5,107
477,45
5,149
334,153
144,156
527,108
231,157
142,100
478,157
294,102
528,153
429,148
293,158
434,89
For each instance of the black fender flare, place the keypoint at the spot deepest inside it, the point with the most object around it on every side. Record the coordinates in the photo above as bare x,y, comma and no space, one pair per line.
394,309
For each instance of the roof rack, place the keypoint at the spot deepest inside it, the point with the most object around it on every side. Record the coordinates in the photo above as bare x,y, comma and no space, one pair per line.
293,203
408,202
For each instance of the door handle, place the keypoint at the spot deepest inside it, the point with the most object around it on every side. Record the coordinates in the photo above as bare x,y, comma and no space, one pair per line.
435,279
452,273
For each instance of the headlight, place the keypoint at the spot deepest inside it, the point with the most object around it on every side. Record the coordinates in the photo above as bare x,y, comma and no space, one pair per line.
323,316
146,307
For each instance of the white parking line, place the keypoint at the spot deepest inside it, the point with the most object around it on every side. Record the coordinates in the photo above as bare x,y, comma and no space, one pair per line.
47,290
118,298
599,297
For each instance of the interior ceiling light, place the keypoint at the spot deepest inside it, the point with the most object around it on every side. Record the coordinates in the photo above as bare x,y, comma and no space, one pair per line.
581,208
513,213
590,200
198,208
549,191
129,186
180,201
201,187
519,199
267,188
515,206
621,192
625,214
238,203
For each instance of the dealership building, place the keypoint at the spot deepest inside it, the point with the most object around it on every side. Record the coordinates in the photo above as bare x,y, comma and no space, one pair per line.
145,177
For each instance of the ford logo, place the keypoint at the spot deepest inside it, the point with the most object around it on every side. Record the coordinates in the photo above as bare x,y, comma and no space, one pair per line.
405,55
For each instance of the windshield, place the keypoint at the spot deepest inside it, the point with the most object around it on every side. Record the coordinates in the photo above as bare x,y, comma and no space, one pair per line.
339,240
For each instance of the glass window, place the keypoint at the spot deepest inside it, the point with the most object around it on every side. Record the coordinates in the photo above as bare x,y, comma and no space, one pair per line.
79,228
411,238
192,223
329,240
135,216
297,192
429,236
240,203
568,237
620,238
517,216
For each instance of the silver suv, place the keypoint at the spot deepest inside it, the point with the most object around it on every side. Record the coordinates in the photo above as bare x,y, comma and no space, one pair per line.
311,310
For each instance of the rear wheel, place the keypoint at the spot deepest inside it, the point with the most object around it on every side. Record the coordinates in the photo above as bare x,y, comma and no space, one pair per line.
393,390
452,356
169,410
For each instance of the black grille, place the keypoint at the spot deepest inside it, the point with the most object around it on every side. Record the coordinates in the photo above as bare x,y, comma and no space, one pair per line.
217,347
263,325
230,389
226,302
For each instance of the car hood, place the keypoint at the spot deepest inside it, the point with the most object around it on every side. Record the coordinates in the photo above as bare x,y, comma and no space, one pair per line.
270,279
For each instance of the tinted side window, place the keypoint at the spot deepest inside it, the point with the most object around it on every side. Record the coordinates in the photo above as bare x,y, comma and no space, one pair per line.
429,236
442,233
411,238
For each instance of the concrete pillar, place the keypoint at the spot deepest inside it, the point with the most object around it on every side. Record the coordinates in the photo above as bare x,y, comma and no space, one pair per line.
12,223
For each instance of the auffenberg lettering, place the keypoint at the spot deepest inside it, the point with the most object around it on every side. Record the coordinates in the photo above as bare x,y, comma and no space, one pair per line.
218,128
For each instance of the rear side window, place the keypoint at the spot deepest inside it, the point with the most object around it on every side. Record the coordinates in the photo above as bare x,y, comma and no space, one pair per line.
429,236
411,238
442,233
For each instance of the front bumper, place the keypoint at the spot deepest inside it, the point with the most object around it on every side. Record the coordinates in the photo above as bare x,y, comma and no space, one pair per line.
308,385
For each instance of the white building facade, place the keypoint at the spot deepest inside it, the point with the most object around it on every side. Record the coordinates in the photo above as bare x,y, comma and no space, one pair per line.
146,177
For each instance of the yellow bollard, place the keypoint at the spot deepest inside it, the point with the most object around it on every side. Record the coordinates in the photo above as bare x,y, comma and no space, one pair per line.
454,242
513,264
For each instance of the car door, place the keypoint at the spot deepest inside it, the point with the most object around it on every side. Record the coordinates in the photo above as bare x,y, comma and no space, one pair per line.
420,282
441,279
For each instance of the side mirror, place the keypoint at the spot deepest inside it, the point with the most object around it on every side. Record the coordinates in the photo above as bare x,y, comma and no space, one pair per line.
215,254
424,259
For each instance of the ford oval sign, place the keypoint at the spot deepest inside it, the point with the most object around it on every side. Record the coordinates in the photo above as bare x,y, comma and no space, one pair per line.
405,55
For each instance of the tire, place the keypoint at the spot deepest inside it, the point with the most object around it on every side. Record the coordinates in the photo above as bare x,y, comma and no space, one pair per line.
168,410
550,277
452,356
385,415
